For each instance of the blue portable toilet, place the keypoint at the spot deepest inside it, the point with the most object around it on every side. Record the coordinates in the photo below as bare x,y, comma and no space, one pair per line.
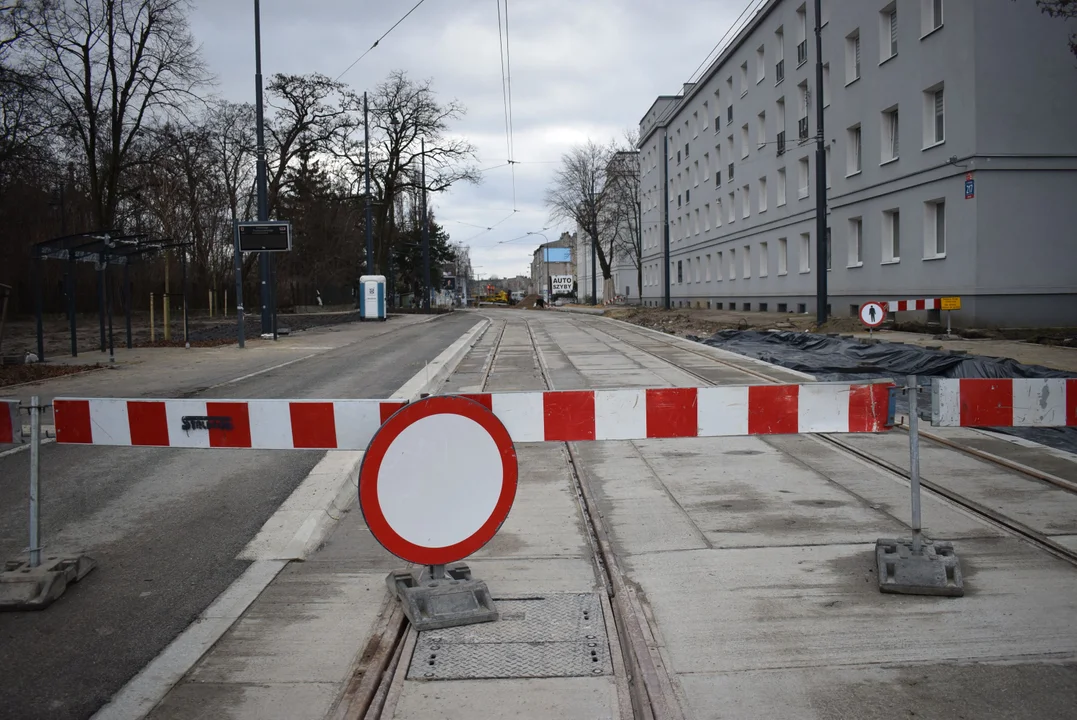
372,297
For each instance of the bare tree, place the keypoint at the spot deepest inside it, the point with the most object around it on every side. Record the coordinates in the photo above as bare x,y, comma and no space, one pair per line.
1065,9
403,114
577,195
623,187
108,66
232,144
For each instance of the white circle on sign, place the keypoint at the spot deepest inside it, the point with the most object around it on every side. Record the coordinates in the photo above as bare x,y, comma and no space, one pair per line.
440,480
872,314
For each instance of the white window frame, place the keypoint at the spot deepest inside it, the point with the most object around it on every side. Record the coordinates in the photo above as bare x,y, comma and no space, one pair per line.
706,167
891,237
745,141
761,63
890,134
695,173
746,202
852,57
744,78
695,124
718,256
731,211
782,187
803,178
761,130
718,213
707,269
783,256
888,33
855,254
932,17
931,229
695,222
707,217
804,254
746,262
732,263
763,194
931,113
763,262
854,155
698,263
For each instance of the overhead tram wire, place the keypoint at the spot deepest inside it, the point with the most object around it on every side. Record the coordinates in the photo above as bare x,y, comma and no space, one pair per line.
502,45
405,17
508,79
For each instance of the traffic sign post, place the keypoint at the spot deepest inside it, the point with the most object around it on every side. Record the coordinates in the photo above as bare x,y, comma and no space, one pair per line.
436,483
872,314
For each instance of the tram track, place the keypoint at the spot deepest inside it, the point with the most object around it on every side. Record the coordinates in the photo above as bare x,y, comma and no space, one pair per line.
989,515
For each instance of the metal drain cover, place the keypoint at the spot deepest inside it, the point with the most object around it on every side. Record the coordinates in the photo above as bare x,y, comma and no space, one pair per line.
562,635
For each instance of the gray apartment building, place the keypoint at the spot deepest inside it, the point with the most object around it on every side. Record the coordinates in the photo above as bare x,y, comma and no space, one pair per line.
951,163
541,270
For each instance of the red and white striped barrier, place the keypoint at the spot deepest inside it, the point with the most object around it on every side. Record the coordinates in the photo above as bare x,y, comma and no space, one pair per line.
909,305
10,427
261,424
1050,402
572,415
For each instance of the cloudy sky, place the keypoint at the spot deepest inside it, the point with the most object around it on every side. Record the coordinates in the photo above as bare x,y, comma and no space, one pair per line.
580,69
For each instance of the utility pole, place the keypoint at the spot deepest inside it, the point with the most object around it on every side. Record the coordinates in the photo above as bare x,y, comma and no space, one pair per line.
820,176
426,234
263,202
370,268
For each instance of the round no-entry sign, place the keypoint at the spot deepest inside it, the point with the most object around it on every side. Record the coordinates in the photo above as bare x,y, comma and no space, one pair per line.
437,480
872,314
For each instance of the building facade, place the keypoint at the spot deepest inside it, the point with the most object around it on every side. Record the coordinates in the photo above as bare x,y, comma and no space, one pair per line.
950,164
541,270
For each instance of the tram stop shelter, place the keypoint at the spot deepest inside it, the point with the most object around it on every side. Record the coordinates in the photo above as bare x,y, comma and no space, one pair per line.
105,249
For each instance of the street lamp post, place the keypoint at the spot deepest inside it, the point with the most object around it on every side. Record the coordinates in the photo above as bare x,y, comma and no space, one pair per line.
263,202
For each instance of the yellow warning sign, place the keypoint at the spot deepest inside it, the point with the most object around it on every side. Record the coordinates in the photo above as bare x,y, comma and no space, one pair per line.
951,303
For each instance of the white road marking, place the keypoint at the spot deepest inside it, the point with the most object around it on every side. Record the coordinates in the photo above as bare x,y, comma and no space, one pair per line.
293,532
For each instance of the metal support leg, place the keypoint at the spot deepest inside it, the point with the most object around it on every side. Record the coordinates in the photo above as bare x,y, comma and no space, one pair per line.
39,306
101,298
71,303
108,308
127,299
913,391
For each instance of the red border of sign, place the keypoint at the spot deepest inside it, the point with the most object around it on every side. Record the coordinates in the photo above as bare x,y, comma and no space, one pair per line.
375,454
882,317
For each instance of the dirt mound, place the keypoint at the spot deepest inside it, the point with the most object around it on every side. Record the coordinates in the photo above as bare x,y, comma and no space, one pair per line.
529,303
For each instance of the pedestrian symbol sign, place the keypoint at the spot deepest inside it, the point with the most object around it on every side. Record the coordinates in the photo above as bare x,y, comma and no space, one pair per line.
872,314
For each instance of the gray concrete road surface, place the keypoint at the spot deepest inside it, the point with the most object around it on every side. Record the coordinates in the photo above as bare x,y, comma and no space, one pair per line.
165,526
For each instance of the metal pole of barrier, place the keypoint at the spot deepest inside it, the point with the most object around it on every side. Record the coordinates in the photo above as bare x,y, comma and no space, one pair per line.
913,391
35,473
948,312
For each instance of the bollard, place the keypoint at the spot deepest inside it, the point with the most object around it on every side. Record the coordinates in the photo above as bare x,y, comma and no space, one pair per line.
35,485
210,303
914,460
168,328
225,313
153,327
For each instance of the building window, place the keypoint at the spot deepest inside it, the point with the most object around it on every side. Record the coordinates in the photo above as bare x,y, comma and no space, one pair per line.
680,272
718,266
761,129
688,269
706,167
802,122
732,264
707,270
688,195
744,141
698,263
678,200
744,78
802,35
856,242
852,57
888,32
779,56
890,135
852,158
704,121
781,187
718,213
802,178
805,252
731,209
745,201
783,256
687,152
695,124
747,260
930,16
779,125
934,116
763,259
707,218
935,229
891,236
695,174
760,65
762,194
696,224
678,157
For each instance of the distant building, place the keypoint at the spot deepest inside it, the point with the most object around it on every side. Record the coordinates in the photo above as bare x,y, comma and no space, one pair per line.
562,261
951,164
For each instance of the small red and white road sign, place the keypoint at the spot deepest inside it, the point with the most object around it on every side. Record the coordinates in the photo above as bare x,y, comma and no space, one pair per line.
872,314
438,480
